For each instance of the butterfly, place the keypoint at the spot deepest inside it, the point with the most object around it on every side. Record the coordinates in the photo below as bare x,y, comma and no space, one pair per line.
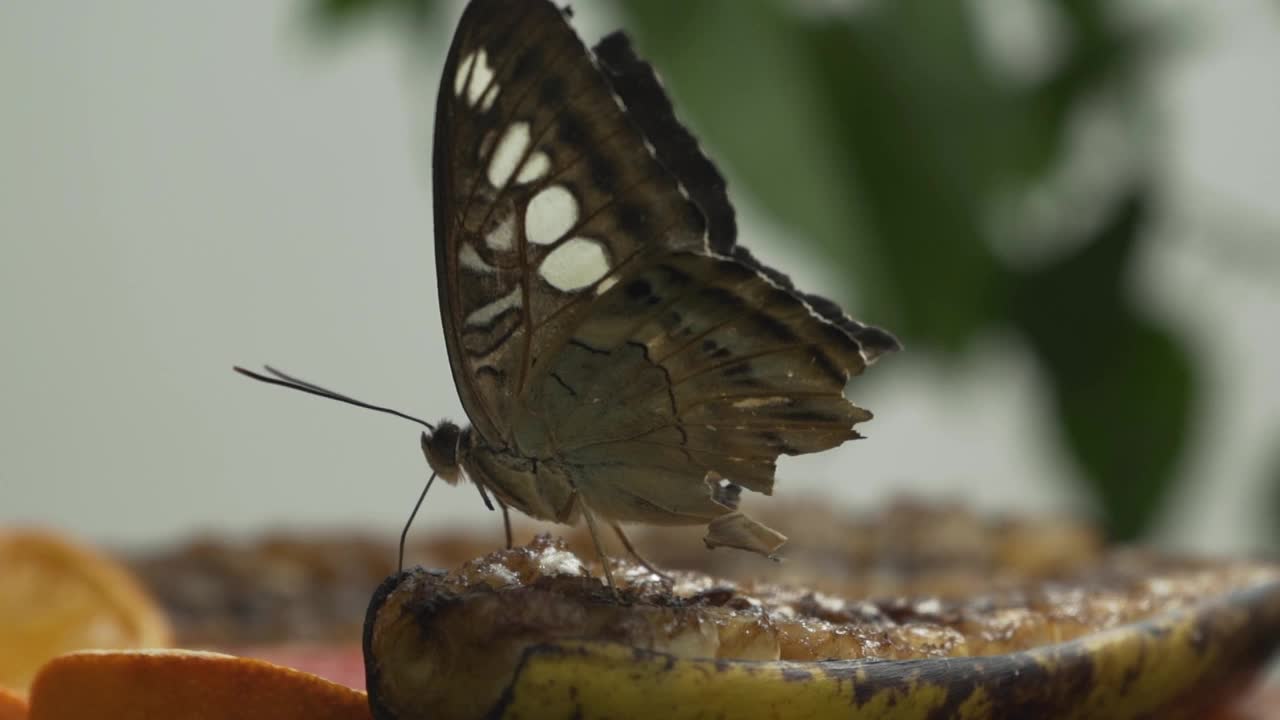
620,357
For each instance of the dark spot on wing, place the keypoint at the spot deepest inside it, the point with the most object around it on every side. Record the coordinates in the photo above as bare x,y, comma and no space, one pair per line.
776,328
603,174
720,297
638,288
551,92
529,59
500,41
694,219
633,219
571,130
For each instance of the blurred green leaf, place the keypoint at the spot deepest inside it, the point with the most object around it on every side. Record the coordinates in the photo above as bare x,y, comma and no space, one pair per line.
1102,54
919,139
881,137
342,11
742,76
334,17
1123,385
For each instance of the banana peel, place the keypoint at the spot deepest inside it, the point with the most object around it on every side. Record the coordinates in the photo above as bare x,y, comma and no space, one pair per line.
1183,665
527,633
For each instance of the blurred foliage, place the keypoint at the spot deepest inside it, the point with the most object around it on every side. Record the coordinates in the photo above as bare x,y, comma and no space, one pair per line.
883,135
1123,384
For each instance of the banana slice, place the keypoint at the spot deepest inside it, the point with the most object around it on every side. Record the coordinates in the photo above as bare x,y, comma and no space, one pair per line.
528,633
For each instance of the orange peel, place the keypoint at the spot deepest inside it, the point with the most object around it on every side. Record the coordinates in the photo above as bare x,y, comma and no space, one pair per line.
186,685
13,706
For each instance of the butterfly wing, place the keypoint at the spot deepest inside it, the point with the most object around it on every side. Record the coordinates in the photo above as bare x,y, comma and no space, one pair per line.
700,365
597,308
545,195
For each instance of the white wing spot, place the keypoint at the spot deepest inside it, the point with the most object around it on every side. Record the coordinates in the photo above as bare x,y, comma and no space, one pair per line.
490,96
502,238
464,71
511,147
549,215
481,76
535,168
605,284
486,314
577,263
761,402
471,260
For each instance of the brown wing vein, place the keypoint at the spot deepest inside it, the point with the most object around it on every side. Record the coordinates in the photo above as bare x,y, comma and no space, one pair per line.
629,399
648,317
744,358
698,336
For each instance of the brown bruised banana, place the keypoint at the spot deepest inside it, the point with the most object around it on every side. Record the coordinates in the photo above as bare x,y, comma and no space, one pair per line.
527,633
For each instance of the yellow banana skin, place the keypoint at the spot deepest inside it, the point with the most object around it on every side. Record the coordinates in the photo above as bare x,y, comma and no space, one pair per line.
1180,664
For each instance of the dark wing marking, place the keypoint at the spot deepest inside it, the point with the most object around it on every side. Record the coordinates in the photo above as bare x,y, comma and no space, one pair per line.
525,119
640,89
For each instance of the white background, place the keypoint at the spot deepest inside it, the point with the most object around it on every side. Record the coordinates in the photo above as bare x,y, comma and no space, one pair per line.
184,186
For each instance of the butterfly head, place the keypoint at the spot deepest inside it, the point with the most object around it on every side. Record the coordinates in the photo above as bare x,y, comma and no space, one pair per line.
441,446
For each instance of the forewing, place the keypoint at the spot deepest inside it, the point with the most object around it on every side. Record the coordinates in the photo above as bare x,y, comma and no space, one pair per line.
545,194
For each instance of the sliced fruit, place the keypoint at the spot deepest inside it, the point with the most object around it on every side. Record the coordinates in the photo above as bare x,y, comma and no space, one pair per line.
526,633
13,706
343,664
182,684
57,597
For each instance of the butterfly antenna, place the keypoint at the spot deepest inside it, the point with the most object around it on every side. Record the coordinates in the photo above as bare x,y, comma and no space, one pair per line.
405,532
293,383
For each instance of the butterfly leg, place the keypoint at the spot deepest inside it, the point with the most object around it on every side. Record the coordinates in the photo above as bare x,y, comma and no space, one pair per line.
506,522
626,542
595,538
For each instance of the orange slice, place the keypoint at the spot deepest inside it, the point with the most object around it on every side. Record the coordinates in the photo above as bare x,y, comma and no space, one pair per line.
186,684
12,705
56,597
